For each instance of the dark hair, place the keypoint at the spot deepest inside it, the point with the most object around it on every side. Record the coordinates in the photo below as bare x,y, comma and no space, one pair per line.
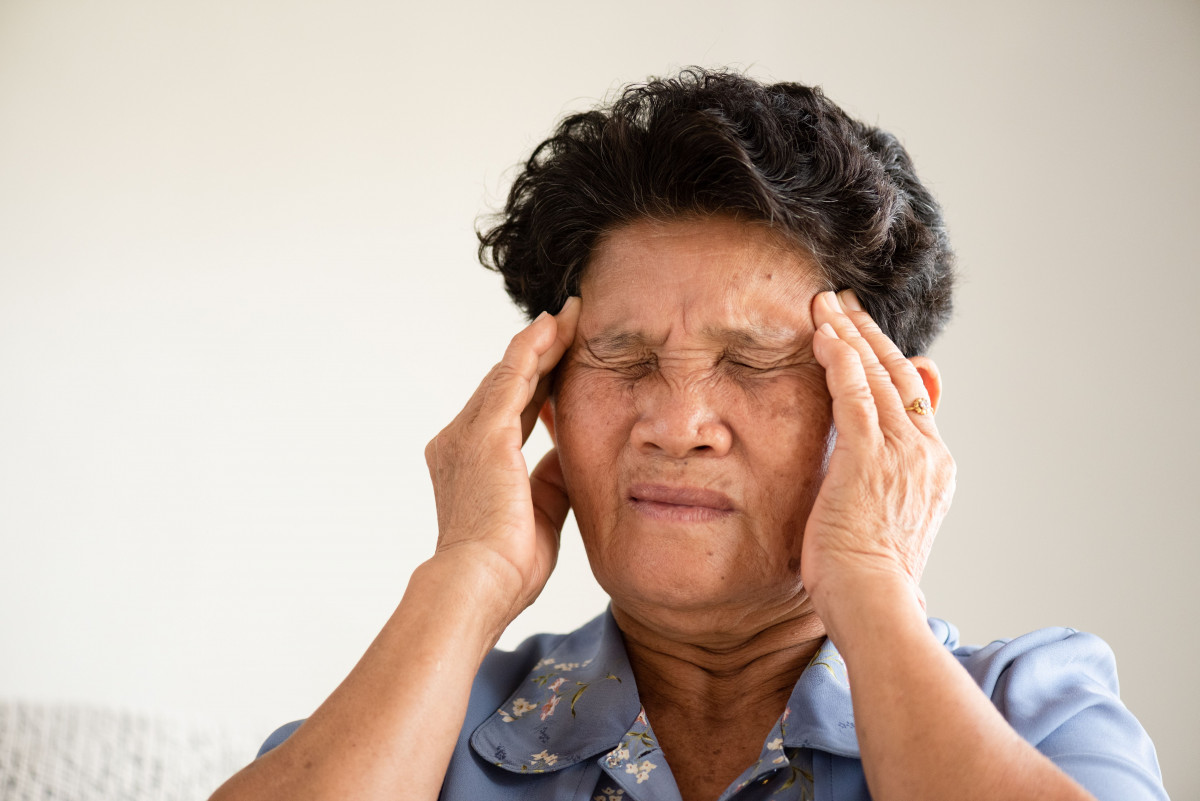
718,142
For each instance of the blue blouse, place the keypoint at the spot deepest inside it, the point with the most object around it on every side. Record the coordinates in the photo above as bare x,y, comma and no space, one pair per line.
573,727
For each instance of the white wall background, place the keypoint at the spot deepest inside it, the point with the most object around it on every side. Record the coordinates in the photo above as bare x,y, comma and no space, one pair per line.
238,294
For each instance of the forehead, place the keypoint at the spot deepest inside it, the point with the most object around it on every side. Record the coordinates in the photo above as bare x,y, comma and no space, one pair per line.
695,275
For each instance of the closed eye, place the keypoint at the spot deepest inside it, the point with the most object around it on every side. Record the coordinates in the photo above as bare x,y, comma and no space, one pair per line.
742,366
635,369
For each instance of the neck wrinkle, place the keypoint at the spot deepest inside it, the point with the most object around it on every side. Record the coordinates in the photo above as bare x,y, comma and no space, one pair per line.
725,677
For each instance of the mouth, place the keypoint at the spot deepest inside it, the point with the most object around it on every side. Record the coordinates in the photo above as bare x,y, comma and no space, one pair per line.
679,504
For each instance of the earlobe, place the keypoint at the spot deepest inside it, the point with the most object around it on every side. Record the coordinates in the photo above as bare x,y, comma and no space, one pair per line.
931,377
547,416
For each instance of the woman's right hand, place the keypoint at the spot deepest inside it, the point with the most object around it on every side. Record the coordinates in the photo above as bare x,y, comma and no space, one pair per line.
490,508
497,543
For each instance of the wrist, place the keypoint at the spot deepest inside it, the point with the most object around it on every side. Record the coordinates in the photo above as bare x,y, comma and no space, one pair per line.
863,609
469,591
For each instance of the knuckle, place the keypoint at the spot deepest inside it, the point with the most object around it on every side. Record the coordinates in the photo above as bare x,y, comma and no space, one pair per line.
940,465
948,467
894,361
510,371
848,334
497,369
498,391
846,361
864,321
435,451
877,372
859,409
859,393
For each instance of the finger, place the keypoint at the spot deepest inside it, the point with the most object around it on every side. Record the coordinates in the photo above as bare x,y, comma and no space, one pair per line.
829,309
903,374
567,320
514,380
506,378
854,409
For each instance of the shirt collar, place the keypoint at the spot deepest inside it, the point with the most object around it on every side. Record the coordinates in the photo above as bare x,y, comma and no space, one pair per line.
580,701
577,702
820,714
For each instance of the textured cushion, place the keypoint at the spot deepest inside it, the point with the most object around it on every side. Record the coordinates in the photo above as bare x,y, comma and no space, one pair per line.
79,753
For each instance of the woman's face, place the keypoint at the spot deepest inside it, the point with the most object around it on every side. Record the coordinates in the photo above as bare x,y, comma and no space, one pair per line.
692,421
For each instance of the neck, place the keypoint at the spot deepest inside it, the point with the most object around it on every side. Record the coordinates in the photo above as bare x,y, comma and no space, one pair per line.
713,695
719,675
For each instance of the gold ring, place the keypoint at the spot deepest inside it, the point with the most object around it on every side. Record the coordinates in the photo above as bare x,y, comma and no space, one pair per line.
920,406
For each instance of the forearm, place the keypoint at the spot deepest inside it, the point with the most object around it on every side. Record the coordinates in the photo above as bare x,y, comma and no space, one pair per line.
924,727
389,729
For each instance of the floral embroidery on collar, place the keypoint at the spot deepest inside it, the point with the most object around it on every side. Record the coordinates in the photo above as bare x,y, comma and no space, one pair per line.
828,657
820,714
634,760
774,757
574,704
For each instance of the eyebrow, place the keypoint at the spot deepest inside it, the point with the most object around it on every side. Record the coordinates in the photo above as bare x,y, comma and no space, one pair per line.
617,342
757,337
753,337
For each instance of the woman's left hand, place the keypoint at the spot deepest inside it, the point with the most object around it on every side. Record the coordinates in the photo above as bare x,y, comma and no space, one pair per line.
890,477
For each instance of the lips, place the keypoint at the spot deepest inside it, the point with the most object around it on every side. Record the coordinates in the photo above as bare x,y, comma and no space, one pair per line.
681,504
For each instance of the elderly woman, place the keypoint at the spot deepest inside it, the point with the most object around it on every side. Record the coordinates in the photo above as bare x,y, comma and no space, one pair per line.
733,286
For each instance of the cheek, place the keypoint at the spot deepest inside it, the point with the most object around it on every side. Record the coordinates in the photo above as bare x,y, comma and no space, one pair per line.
592,416
586,400
786,430
799,406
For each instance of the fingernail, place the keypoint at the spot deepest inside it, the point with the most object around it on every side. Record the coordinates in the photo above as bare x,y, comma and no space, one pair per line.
831,300
538,319
571,301
850,300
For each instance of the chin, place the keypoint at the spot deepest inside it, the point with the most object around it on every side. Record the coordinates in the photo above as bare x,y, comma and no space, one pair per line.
700,586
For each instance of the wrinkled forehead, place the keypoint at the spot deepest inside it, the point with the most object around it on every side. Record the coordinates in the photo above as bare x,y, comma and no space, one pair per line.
704,278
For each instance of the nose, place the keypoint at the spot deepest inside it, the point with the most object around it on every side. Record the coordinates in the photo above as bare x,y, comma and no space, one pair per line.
681,421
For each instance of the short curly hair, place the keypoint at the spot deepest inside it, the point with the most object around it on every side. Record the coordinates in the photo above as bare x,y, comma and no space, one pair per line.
708,142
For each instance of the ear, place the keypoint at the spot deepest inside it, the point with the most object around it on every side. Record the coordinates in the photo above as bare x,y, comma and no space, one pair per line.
930,377
547,416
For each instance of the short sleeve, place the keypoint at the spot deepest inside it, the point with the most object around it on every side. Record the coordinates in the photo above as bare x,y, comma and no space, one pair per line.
1058,689
278,736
